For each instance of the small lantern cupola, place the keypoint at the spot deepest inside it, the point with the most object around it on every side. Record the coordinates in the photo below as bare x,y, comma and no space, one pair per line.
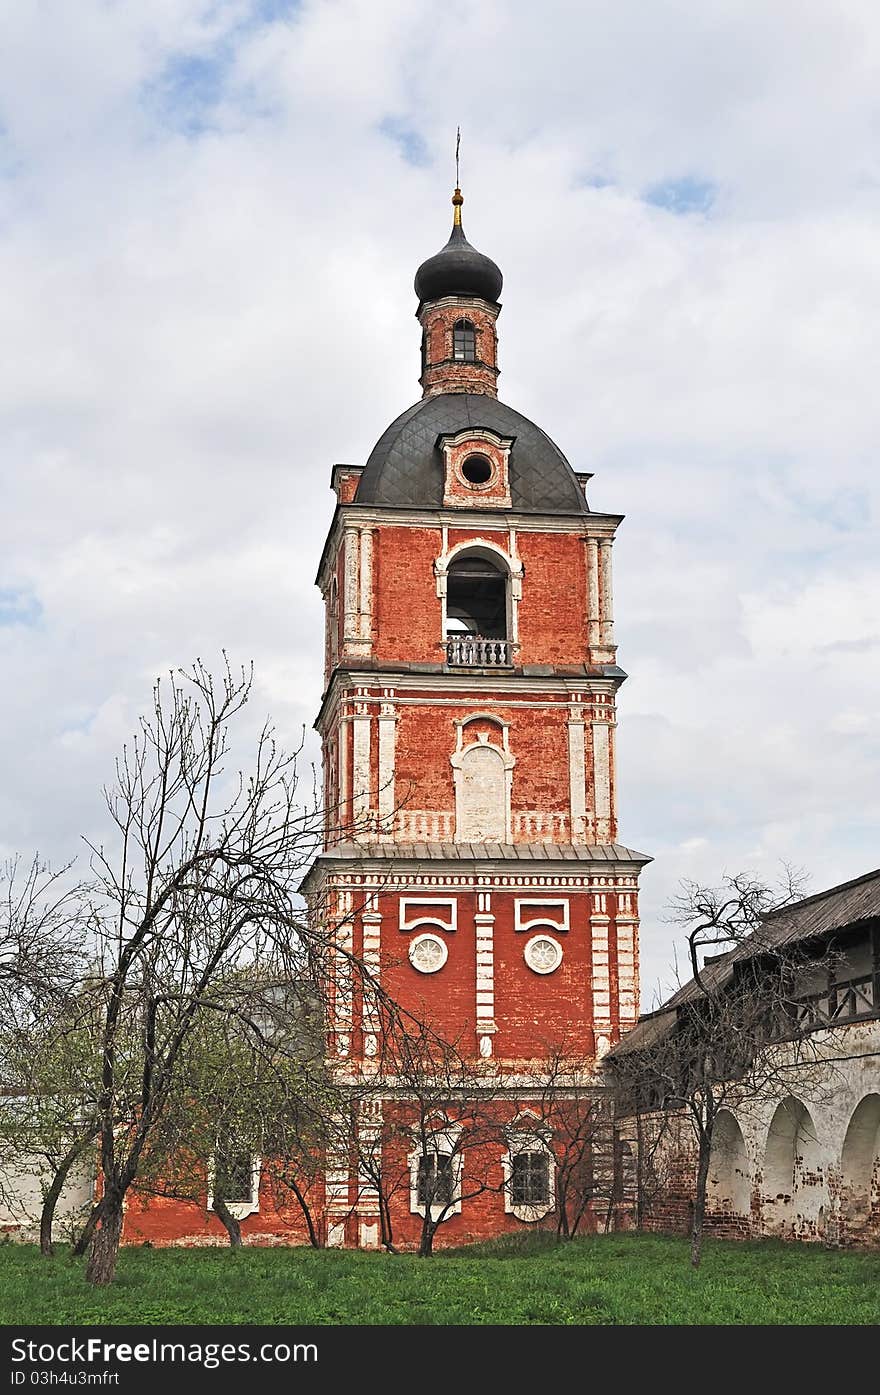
458,292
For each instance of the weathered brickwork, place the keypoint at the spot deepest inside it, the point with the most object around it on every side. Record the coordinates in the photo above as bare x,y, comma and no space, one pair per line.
441,371
805,1167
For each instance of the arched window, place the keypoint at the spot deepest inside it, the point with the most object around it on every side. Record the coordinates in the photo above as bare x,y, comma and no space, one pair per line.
464,341
476,599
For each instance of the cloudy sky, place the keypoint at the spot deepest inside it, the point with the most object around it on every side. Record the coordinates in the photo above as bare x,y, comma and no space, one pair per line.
210,216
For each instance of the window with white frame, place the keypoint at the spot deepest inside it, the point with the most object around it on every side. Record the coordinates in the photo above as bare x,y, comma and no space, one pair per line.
529,1170
435,1169
235,1179
530,1178
436,1179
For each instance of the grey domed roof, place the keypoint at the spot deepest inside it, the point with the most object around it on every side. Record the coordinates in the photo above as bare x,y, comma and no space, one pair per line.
405,468
458,269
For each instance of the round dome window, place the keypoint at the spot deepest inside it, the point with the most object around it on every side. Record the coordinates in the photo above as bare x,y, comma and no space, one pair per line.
477,469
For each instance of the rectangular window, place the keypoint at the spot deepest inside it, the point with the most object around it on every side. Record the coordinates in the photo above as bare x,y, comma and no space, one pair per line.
436,1180
234,1177
530,1179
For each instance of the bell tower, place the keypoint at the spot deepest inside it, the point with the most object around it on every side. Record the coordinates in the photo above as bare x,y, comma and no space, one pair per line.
468,721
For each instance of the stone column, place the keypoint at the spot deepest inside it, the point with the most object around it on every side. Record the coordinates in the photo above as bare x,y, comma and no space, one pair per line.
365,599
350,594
606,629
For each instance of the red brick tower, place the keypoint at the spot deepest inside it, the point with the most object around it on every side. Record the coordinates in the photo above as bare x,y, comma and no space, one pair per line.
468,723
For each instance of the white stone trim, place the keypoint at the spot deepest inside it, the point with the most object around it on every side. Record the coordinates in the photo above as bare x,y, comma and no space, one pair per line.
365,595
484,927
458,759
602,778
412,922
509,564
593,630
351,558
361,775
577,774
560,923
412,953
606,629
446,1139
525,1135
387,756
530,954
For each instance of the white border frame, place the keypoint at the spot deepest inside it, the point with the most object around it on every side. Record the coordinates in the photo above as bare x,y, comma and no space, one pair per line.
420,939
240,1209
533,941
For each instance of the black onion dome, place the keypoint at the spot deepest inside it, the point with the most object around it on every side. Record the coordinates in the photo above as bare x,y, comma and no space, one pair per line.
406,465
459,269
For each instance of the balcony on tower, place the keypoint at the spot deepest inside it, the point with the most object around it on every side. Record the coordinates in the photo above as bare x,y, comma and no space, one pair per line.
477,606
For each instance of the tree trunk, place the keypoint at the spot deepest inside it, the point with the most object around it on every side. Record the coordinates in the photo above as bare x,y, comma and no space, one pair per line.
386,1227
47,1215
426,1243
88,1231
101,1268
700,1199
640,1174
233,1227
306,1210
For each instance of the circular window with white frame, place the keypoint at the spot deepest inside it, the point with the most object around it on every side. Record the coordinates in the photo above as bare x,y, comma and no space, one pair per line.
543,954
428,953
478,471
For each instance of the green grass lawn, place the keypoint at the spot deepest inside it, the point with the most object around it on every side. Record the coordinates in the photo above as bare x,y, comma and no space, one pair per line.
615,1279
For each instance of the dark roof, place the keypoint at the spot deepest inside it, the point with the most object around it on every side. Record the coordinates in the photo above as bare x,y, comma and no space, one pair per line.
838,908
405,468
458,269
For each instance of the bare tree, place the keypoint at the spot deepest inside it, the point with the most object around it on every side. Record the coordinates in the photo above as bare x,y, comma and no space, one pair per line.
200,880
43,936
442,1128
576,1120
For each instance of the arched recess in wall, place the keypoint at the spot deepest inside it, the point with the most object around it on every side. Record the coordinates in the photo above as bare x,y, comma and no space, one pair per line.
483,773
860,1160
795,1197
729,1188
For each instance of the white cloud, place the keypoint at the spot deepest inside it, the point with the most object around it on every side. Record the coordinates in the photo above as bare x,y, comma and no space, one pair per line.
206,254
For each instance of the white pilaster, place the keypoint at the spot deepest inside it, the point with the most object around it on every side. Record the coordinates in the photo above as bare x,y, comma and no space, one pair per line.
577,774
606,630
592,593
602,780
484,924
361,782
365,600
387,750
599,922
350,597
371,923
